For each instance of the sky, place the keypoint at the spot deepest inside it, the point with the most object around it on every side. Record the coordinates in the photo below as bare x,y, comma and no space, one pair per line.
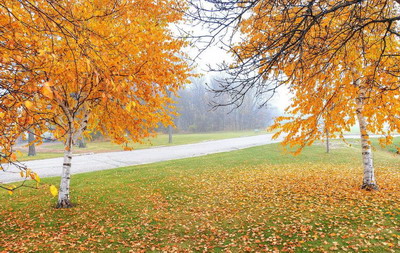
213,55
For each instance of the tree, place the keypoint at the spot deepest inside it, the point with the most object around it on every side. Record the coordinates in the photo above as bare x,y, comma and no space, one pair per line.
14,121
18,88
358,94
307,45
169,95
31,140
106,66
197,111
82,143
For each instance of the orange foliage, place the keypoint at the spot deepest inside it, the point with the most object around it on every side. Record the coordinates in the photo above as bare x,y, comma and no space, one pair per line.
107,61
103,65
334,62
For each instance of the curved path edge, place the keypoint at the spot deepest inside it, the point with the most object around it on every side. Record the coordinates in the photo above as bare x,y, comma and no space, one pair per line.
103,161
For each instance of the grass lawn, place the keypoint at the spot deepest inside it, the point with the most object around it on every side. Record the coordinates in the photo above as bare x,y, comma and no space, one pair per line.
255,199
57,150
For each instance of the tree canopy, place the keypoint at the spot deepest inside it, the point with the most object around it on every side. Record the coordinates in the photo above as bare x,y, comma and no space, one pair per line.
264,35
101,65
339,58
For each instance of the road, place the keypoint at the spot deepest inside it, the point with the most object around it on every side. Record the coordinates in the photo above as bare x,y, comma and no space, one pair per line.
85,163
104,161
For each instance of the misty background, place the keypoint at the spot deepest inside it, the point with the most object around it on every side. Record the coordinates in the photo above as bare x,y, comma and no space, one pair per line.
200,110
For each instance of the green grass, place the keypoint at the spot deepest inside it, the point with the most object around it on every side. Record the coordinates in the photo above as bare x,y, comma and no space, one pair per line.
391,148
56,150
40,155
252,199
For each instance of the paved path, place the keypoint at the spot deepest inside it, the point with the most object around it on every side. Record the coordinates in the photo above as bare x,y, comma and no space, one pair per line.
103,161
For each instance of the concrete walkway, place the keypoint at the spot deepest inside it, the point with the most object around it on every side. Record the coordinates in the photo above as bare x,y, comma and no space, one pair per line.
103,161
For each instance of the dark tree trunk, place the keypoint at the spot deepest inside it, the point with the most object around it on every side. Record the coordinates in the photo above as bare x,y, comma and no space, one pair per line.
327,140
169,134
82,143
31,139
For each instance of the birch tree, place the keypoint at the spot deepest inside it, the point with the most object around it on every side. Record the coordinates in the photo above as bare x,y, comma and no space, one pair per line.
305,45
106,66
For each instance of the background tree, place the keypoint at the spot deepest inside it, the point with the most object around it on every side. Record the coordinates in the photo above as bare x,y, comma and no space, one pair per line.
169,95
31,141
106,66
82,143
306,44
198,113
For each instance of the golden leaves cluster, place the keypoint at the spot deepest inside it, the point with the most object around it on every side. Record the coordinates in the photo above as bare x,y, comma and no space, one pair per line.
112,61
326,58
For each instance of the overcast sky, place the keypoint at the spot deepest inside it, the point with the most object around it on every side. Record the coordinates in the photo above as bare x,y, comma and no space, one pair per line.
213,56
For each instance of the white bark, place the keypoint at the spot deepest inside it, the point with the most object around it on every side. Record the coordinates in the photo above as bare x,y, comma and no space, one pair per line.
73,136
369,182
63,195
81,129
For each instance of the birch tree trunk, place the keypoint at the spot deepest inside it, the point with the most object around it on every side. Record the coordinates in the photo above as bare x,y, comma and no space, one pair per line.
63,195
369,182
73,136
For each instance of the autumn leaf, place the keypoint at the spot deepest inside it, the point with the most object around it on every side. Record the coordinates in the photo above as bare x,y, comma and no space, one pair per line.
28,104
36,177
11,189
53,190
47,92
13,156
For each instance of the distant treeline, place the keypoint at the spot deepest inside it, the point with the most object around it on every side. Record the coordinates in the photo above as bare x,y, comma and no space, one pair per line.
197,113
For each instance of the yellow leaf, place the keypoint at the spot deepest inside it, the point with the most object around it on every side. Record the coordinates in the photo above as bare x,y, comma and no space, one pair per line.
28,104
47,92
13,157
37,178
1,114
21,173
53,190
11,189
88,64
48,84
